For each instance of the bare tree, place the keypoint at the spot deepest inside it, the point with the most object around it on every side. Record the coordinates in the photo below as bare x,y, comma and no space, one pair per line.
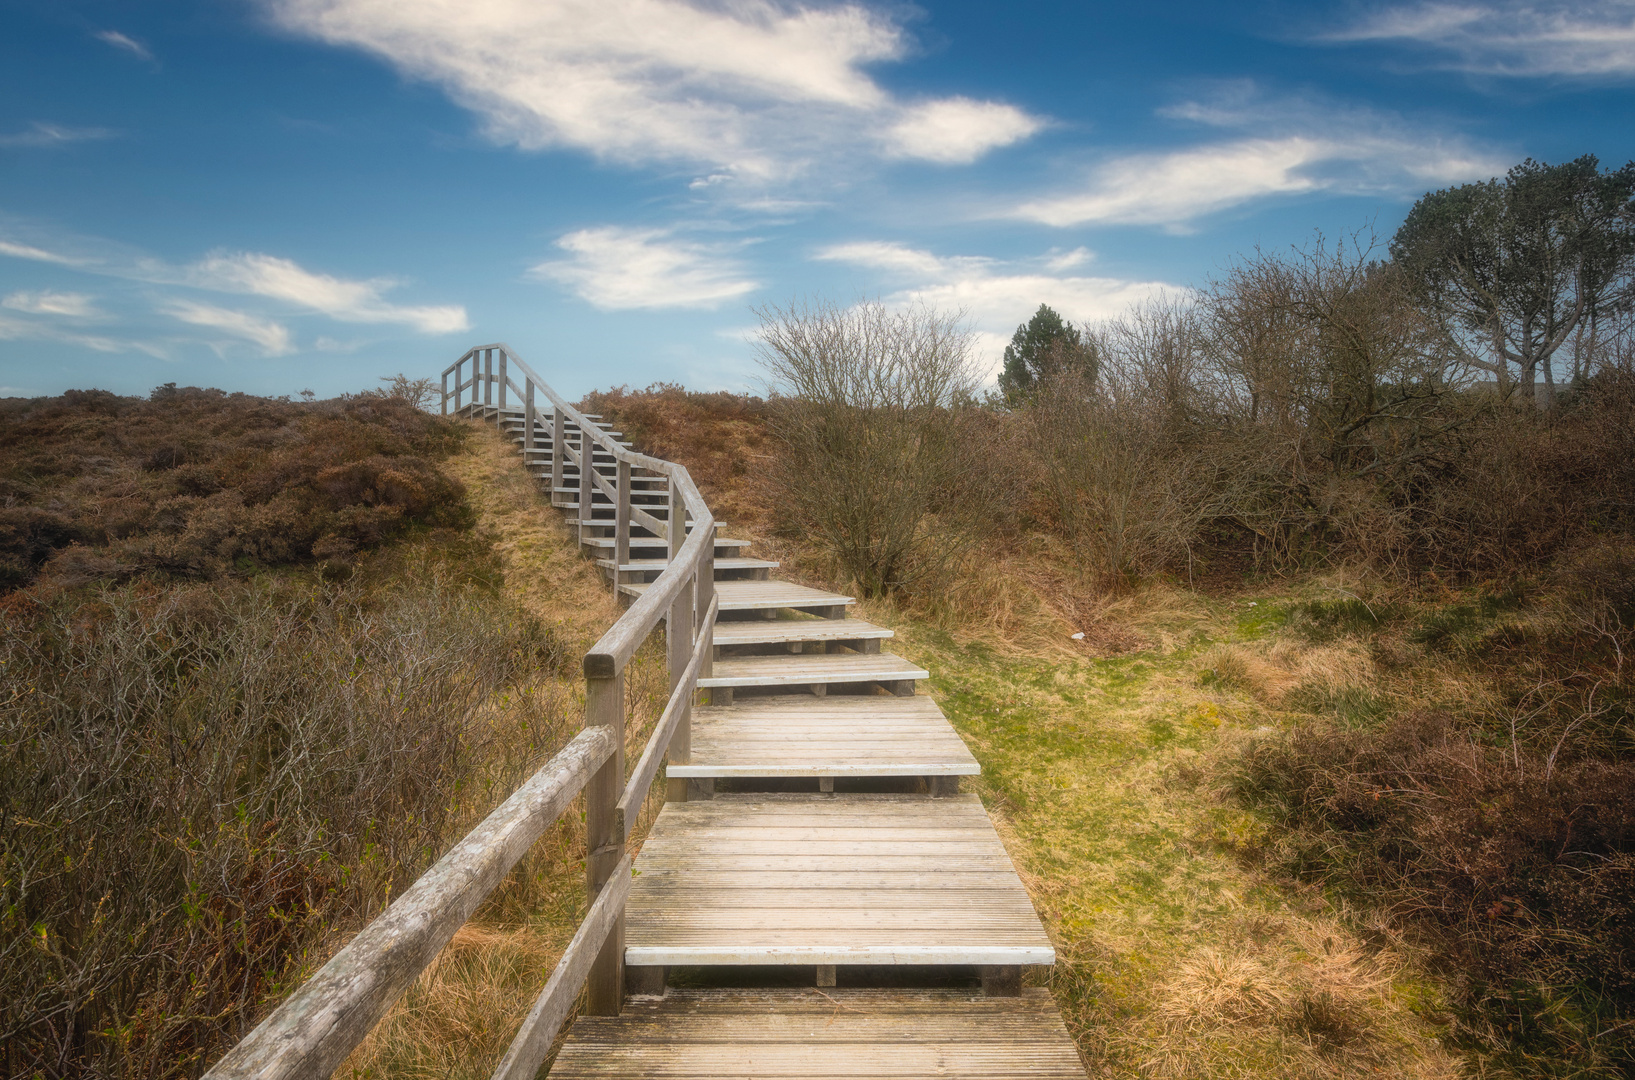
872,405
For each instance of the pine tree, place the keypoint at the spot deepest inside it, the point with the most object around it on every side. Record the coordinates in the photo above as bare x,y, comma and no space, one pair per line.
1044,345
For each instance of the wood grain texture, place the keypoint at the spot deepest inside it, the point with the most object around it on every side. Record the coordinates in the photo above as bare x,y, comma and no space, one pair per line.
776,631
762,595
832,736
782,879
314,1030
792,1034
804,669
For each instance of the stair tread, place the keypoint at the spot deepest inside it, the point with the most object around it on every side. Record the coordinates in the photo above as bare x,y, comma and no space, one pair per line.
761,595
803,669
778,631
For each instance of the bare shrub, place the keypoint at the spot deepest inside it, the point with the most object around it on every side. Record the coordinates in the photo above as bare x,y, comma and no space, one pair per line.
1123,487
1518,861
199,785
883,459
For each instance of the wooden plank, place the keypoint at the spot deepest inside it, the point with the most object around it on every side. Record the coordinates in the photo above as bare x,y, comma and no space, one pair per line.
314,1030
794,1034
763,595
803,668
776,631
717,883
539,1028
832,736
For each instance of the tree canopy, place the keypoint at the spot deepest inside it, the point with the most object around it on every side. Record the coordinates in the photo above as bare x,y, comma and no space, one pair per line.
1521,268
1044,345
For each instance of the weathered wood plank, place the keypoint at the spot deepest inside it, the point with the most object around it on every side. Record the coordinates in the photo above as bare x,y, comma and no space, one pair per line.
792,1034
718,883
538,1031
311,1033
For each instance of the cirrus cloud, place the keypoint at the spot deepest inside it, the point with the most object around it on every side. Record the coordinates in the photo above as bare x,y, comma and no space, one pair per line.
755,88
1572,39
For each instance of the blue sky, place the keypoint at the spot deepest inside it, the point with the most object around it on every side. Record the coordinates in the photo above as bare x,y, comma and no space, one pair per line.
271,195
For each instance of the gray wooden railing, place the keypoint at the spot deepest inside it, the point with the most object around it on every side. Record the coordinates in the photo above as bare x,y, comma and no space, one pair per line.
317,1026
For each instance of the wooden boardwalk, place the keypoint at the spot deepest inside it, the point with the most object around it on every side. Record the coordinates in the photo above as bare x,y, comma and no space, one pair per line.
831,879
813,832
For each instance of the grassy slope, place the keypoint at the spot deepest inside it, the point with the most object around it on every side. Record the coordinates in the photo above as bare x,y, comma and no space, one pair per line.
1174,960
460,1016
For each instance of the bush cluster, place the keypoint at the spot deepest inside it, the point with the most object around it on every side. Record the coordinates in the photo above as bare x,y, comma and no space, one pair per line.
198,484
202,784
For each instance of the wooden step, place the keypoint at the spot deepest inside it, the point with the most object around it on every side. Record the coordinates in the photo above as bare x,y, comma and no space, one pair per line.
829,879
657,565
795,1034
805,669
801,735
763,595
647,542
780,631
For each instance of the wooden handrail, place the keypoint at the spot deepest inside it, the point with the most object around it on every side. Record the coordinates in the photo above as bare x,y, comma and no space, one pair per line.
316,1027
538,1031
675,710
314,1030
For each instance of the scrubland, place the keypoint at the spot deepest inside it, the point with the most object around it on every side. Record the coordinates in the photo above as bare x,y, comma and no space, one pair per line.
261,662
1297,668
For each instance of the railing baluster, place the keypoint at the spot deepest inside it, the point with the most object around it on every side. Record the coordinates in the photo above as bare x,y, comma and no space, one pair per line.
604,844
706,592
503,383
621,523
488,378
442,398
678,633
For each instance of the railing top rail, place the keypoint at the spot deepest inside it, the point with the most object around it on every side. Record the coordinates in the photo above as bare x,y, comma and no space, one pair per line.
613,651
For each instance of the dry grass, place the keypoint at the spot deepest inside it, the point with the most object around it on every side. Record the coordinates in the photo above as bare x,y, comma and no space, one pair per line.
1175,959
461,1015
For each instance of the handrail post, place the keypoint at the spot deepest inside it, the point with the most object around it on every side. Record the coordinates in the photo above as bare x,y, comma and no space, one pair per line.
587,481
528,420
706,592
488,378
502,378
459,367
443,398
678,634
621,522
604,844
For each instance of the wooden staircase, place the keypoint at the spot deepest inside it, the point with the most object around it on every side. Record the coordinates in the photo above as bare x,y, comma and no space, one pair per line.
814,825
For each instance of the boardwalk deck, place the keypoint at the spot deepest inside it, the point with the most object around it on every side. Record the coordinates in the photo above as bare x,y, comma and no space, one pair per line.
794,1034
836,736
829,879
820,880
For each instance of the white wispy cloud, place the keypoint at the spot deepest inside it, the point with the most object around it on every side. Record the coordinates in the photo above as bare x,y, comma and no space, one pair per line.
997,295
271,337
341,299
1525,38
619,268
41,134
127,43
1297,148
257,274
754,88
46,302
36,254
29,330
